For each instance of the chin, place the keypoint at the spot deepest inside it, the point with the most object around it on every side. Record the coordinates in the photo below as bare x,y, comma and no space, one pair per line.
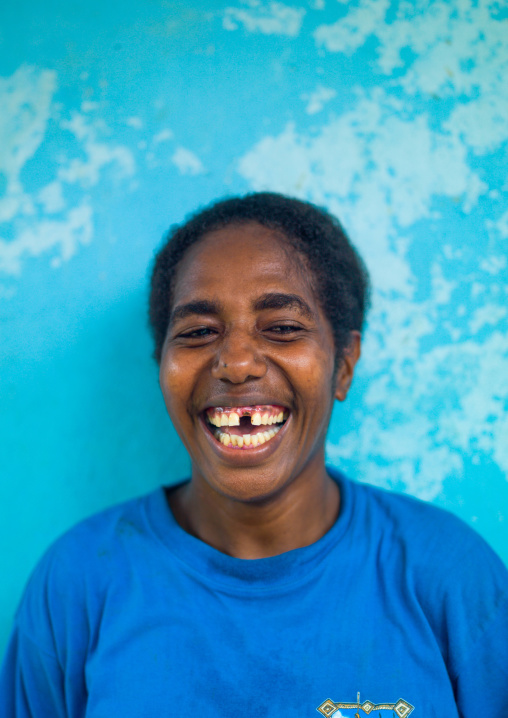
253,485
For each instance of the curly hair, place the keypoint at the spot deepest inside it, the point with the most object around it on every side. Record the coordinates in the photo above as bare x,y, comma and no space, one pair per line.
338,275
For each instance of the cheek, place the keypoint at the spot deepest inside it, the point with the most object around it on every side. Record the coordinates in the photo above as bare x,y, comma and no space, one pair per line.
173,377
316,373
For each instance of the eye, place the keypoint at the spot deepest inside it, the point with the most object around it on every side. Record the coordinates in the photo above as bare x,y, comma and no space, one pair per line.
198,333
284,330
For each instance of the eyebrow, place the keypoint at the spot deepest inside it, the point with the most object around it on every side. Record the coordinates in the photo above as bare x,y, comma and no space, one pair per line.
272,300
201,306
279,300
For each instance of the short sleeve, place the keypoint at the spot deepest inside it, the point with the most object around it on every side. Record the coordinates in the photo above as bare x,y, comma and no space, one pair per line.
31,681
42,674
481,684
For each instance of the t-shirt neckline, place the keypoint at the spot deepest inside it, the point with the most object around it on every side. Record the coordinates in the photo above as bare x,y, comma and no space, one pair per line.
239,575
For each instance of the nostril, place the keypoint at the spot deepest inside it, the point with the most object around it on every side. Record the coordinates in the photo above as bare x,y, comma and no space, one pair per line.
239,369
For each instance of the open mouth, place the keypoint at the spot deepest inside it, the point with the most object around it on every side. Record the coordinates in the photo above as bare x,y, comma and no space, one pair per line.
245,427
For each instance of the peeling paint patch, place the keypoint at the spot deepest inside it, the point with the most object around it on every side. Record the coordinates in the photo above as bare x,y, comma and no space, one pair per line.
47,221
350,32
273,18
187,162
66,234
26,99
316,100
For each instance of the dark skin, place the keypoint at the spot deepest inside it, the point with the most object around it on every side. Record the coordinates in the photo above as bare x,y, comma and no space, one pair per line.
247,329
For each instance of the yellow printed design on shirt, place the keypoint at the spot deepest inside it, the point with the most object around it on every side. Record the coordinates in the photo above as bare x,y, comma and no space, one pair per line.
400,708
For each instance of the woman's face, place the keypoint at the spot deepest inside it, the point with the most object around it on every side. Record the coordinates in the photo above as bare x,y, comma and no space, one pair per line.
247,369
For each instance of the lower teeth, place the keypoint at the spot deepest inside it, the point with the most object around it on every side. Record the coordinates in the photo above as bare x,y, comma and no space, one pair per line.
246,441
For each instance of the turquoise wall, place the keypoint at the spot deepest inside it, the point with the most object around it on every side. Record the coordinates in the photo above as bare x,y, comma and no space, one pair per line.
119,118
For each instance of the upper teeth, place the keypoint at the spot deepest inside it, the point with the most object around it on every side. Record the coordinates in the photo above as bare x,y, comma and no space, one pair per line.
230,417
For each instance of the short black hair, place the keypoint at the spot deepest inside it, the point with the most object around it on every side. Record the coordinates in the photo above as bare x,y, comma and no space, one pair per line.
339,277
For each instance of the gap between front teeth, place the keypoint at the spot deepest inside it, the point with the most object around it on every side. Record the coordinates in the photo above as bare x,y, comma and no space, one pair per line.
257,418
246,441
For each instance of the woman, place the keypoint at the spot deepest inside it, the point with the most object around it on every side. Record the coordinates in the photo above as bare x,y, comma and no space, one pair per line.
266,585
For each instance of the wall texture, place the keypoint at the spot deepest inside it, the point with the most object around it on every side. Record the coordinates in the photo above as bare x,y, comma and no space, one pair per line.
119,118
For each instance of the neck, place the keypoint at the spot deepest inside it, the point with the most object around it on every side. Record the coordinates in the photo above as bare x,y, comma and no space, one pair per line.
297,516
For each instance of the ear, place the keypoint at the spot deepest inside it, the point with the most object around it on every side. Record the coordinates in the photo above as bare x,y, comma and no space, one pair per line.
347,365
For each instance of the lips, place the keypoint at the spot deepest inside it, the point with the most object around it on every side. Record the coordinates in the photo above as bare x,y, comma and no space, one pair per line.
245,427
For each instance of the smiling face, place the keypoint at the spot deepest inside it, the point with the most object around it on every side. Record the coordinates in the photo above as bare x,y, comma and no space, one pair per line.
247,369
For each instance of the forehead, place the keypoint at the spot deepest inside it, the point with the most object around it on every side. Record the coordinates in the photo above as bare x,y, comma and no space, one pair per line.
241,258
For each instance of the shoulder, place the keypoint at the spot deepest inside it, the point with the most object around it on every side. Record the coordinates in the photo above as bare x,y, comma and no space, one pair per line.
411,522
431,529
97,535
429,535
79,568
438,562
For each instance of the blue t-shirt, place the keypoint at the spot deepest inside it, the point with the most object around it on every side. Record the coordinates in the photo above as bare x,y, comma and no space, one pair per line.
400,609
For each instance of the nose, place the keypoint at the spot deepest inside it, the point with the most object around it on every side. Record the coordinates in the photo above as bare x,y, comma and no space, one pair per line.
238,359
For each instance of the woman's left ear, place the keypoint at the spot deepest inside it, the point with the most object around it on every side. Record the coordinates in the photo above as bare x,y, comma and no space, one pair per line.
346,369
